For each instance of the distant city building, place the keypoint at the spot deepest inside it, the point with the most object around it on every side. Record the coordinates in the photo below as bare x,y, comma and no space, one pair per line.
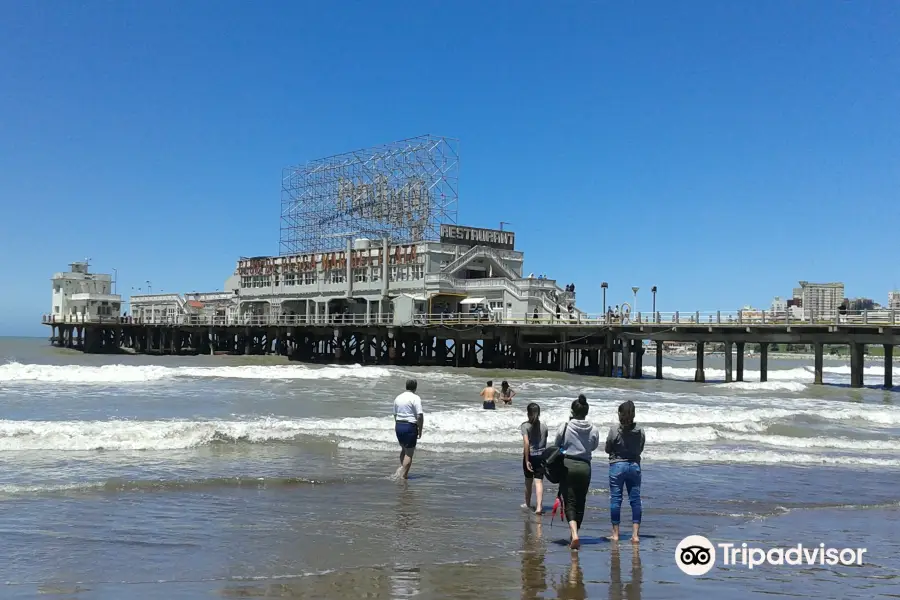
820,299
861,304
779,306
894,300
79,295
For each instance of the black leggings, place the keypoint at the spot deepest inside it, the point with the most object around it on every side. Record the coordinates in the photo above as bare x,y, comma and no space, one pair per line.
574,488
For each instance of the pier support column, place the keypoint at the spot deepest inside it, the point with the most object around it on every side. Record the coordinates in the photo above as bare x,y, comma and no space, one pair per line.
627,357
764,361
659,360
888,366
637,361
740,361
857,364
729,372
699,375
818,349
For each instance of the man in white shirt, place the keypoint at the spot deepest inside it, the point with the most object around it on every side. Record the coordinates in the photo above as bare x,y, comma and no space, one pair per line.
409,420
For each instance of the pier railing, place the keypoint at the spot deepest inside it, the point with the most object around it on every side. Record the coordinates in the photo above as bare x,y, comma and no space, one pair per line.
672,319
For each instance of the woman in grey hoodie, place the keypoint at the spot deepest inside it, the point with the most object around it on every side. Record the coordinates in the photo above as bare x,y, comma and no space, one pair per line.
577,439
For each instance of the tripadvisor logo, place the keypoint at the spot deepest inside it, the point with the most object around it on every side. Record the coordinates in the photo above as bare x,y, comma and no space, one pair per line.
695,555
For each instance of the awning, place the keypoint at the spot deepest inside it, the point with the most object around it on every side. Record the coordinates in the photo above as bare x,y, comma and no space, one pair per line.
472,301
413,296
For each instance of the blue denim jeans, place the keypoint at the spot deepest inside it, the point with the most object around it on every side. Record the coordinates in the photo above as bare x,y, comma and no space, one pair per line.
627,474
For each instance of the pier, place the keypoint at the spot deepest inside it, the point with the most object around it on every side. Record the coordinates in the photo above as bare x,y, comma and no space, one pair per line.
599,346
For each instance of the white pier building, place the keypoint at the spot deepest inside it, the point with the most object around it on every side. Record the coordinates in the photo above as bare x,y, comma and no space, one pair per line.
468,272
82,296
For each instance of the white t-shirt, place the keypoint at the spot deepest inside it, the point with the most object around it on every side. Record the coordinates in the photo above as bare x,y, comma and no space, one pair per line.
407,407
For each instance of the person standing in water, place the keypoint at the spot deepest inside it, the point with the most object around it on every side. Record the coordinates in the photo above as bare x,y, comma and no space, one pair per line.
534,437
409,420
624,445
577,440
489,396
506,393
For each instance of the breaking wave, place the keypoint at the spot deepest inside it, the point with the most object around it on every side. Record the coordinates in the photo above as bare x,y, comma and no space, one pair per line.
125,374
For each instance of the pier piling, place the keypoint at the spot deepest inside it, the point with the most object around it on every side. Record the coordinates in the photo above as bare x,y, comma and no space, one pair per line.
819,357
699,375
729,349
857,364
888,366
764,362
740,361
659,360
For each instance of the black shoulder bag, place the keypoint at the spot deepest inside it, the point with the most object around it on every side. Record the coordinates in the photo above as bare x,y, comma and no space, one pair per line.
553,460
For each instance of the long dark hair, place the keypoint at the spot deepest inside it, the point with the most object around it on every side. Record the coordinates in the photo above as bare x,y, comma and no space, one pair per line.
626,415
534,417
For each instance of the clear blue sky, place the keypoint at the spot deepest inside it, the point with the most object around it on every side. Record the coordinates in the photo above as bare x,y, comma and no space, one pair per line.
719,150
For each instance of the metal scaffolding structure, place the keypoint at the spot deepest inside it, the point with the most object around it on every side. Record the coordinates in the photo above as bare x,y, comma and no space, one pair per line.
404,190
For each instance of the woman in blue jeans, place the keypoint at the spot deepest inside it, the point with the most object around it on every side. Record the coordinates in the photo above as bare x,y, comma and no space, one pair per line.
624,445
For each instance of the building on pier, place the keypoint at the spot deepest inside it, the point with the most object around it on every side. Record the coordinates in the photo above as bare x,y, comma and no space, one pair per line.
173,308
467,270
81,296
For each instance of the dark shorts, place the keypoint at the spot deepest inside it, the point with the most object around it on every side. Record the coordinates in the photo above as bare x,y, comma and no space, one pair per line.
537,463
407,434
488,406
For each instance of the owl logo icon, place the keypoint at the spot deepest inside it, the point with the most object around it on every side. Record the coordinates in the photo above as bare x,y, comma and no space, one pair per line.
695,555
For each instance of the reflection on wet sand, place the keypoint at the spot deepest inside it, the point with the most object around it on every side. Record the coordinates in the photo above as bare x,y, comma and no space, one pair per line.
571,585
617,589
534,571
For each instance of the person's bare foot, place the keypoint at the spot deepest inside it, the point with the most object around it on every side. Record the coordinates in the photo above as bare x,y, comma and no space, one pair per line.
575,544
539,511
614,537
635,539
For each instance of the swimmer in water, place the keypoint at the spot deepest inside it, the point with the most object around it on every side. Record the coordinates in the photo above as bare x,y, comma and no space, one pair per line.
489,396
506,393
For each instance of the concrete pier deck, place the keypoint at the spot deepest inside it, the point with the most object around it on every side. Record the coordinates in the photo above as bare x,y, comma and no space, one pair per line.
597,346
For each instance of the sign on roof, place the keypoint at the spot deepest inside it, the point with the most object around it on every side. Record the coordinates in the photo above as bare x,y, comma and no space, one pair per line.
472,236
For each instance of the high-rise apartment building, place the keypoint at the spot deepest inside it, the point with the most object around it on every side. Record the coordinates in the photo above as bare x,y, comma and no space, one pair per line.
820,299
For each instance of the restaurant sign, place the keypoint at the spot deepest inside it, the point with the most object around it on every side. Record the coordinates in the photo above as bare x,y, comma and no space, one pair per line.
472,236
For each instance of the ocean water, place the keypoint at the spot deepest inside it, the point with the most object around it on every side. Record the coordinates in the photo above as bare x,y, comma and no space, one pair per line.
191,477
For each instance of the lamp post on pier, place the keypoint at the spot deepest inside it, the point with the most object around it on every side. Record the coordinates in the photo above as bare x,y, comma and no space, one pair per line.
634,308
653,289
604,285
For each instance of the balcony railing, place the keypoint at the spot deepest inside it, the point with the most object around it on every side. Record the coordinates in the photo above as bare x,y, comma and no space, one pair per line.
659,319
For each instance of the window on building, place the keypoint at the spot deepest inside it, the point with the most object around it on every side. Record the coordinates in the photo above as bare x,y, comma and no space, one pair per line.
418,271
398,274
338,276
360,275
290,279
376,274
309,278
